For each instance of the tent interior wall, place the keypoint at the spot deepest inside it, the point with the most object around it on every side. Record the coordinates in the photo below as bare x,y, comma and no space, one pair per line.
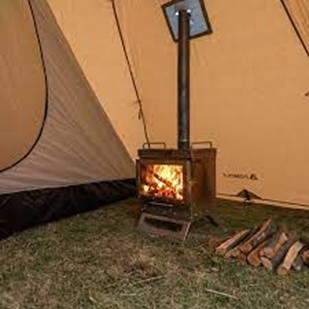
70,116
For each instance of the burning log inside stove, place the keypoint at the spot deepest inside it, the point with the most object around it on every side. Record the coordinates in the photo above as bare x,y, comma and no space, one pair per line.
163,181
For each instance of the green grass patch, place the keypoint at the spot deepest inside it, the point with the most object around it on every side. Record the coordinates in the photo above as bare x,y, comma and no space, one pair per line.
99,260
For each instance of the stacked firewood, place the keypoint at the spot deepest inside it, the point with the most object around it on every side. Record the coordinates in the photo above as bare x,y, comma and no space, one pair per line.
269,246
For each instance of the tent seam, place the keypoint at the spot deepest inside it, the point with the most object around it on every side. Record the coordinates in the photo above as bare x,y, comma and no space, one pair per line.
46,92
291,19
139,101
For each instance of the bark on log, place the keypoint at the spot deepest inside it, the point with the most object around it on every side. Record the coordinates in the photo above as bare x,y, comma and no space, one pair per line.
242,258
298,264
271,264
305,257
263,236
290,257
253,257
266,262
234,252
265,230
232,241
274,244
282,252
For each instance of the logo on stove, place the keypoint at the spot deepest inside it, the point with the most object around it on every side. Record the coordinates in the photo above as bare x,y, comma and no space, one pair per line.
241,176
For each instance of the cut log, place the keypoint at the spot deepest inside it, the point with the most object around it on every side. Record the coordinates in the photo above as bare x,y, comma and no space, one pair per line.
266,262
263,236
253,257
242,258
234,252
274,244
266,230
305,257
232,241
298,263
290,257
215,241
273,263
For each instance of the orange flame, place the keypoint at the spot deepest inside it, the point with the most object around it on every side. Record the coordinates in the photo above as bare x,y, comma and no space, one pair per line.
163,181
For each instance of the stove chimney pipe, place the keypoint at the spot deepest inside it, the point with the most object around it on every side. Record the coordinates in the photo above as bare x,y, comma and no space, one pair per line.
183,80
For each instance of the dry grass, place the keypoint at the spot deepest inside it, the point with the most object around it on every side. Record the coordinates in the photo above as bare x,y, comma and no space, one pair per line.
99,260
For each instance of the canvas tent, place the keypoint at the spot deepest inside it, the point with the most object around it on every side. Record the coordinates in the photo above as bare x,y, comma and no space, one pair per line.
54,131
71,116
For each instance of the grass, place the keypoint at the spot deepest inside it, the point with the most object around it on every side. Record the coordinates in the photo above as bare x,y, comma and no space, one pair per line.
99,260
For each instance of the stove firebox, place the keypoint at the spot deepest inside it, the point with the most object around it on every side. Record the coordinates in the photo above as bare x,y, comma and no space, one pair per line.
178,183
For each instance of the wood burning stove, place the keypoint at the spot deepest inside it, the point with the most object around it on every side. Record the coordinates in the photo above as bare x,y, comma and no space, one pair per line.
177,185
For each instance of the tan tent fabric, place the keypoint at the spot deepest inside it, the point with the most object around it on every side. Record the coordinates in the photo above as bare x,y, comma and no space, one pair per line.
299,11
91,30
248,81
78,144
248,85
22,84
153,56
